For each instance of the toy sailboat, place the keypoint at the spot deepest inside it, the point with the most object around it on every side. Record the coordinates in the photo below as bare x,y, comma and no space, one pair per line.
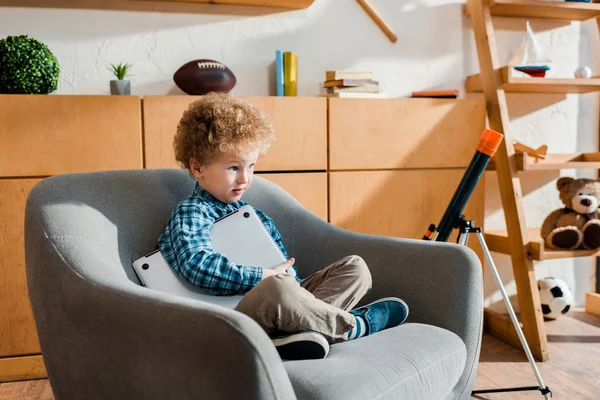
530,58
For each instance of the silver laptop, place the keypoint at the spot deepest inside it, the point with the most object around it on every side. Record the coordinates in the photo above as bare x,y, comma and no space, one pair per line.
240,236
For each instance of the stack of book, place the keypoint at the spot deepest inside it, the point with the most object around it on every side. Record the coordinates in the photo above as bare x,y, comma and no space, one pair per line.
351,84
286,73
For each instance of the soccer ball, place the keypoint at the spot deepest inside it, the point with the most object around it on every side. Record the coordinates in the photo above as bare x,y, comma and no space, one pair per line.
555,296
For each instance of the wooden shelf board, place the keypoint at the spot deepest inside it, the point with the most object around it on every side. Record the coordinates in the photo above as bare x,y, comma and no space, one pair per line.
565,11
513,84
554,162
211,7
497,240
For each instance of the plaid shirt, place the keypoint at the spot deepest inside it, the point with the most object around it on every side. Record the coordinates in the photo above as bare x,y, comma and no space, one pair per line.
186,245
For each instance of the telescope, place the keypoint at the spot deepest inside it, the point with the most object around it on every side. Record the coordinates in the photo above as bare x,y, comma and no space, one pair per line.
486,149
453,218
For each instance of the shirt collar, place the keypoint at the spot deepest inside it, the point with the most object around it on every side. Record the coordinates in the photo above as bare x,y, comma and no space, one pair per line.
209,198
204,195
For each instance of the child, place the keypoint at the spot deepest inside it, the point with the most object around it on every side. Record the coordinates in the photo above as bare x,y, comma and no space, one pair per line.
219,140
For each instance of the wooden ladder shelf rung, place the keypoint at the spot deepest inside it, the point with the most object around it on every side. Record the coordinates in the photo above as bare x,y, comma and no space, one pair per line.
511,83
497,240
552,162
565,11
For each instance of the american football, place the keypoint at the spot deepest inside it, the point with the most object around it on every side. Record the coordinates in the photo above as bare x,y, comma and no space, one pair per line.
199,77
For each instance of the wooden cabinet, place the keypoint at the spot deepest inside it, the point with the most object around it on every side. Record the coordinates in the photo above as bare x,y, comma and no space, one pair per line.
310,189
403,133
18,335
393,167
396,163
49,135
42,136
398,203
300,129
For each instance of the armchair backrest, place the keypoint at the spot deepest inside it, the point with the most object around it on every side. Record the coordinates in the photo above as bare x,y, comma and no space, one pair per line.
123,213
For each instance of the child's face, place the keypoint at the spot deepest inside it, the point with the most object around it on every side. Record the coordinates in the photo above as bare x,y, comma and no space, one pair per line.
227,177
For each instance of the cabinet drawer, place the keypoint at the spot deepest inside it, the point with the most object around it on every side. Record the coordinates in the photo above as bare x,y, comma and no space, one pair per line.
399,203
43,135
404,133
310,189
300,128
18,334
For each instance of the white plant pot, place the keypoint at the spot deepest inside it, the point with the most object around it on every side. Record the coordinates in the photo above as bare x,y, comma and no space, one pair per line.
120,87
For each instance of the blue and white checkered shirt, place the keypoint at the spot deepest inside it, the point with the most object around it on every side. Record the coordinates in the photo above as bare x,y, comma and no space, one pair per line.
186,245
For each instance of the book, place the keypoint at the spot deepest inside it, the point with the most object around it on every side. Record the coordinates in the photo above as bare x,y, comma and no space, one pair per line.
353,89
349,82
443,93
279,72
348,74
290,73
357,95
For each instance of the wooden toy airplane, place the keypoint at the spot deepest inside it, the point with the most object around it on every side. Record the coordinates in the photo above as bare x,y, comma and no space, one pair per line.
539,153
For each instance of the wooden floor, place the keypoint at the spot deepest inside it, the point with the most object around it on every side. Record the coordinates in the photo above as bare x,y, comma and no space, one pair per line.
573,372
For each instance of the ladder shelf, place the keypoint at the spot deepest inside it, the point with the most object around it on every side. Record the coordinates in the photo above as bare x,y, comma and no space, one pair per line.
525,162
516,84
563,11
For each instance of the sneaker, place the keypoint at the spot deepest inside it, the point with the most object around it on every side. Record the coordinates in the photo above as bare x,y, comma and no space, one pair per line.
302,346
382,314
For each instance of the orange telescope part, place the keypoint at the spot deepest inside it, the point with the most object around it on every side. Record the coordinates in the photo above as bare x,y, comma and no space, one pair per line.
489,142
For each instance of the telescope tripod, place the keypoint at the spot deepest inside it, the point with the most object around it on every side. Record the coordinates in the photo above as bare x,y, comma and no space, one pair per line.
465,228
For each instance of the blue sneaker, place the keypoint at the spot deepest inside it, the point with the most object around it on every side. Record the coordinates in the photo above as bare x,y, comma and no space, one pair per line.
381,314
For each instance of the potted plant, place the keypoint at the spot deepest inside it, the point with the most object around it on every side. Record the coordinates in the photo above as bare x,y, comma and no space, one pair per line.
120,86
27,66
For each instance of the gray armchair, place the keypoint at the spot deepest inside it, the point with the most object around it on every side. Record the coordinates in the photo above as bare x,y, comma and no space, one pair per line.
103,336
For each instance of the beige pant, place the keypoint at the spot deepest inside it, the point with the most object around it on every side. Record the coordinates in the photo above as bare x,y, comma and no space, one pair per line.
319,303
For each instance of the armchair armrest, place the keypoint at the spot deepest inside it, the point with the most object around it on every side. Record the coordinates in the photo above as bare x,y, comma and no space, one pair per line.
441,282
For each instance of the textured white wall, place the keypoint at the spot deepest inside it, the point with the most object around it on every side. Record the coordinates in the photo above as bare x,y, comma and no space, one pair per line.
435,49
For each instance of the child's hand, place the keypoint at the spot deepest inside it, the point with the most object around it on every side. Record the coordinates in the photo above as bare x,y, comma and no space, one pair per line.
281,268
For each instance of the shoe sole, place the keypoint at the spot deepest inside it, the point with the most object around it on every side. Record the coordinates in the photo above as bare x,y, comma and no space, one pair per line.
391,299
302,346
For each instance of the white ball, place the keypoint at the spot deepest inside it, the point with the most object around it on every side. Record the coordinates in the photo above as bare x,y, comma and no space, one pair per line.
583,72
555,296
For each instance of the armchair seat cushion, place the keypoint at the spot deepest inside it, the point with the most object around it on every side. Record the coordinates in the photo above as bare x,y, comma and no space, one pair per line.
412,361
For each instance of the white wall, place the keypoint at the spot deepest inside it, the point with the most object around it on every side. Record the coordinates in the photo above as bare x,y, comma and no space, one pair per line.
435,49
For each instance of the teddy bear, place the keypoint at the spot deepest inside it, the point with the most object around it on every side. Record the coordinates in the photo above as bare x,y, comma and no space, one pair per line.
577,225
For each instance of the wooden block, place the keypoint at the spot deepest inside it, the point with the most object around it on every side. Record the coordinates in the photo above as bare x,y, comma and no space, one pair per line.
22,368
592,303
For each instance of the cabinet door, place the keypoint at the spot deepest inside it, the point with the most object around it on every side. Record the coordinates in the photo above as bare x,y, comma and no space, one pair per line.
399,203
51,135
404,133
18,334
300,129
310,189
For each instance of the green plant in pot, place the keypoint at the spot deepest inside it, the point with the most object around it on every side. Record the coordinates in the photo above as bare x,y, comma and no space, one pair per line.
27,66
120,86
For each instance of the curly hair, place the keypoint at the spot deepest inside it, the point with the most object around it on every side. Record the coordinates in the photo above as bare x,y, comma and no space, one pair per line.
218,123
